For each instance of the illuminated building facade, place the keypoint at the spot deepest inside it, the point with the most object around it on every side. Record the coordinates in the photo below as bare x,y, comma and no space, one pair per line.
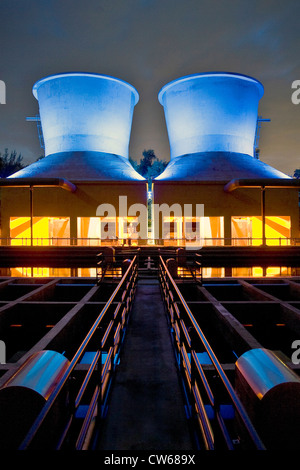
86,121
211,120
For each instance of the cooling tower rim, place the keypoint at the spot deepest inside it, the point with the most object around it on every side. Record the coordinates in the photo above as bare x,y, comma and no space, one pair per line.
83,74
211,74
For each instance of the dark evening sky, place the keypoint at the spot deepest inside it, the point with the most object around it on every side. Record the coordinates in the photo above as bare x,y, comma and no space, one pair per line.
149,43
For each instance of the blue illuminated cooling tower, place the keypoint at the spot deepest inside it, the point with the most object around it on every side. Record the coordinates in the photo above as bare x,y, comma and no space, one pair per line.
85,112
211,122
86,122
211,112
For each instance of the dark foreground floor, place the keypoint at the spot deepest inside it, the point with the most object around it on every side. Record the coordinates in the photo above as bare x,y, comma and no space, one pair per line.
146,409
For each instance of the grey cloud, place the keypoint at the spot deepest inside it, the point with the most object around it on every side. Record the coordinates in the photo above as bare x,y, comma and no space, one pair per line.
148,43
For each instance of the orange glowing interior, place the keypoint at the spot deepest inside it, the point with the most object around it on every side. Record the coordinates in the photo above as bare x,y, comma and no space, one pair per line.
248,230
45,230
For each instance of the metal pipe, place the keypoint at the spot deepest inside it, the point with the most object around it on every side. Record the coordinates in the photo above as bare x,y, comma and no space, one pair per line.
63,183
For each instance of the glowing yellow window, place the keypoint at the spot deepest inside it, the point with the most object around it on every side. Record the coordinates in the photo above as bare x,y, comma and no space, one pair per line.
248,230
208,230
45,230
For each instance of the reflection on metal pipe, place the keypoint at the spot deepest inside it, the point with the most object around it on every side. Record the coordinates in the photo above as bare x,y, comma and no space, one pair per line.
25,393
264,370
270,392
40,373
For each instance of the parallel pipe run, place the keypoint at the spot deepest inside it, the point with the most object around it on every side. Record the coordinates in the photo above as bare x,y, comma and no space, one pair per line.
165,278
130,278
11,182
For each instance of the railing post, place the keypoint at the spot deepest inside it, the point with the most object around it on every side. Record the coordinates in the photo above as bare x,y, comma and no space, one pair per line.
191,332
99,375
217,394
192,336
71,394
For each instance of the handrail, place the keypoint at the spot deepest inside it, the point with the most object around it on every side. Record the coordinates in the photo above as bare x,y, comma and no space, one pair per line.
51,400
201,242
234,398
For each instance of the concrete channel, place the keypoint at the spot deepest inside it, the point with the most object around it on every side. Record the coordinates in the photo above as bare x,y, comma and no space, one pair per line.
146,409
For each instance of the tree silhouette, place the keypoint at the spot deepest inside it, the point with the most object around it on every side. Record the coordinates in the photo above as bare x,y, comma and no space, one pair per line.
10,163
150,166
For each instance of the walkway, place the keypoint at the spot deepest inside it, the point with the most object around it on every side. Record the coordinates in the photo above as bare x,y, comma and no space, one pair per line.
146,408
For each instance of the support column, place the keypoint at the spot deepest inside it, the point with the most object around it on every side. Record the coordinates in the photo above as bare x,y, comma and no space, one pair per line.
73,240
31,215
227,230
73,230
228,240
263,213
